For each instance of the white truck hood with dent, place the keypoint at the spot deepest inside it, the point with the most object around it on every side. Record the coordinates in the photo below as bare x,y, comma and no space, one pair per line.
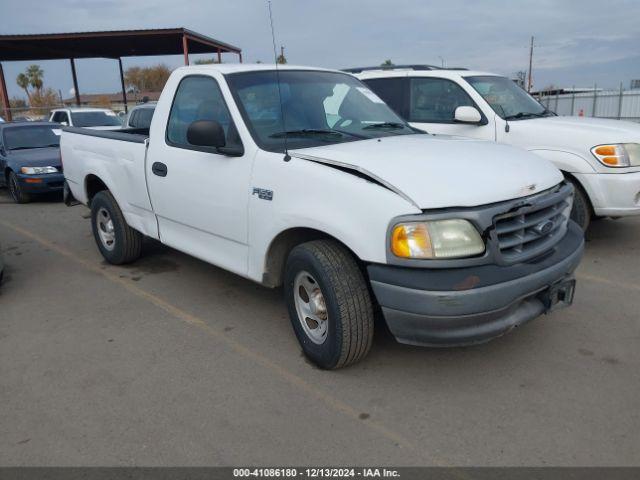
434,172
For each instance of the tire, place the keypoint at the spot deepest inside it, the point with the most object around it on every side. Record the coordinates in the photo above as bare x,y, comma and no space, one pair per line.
18,195
581,212
118,242
345,334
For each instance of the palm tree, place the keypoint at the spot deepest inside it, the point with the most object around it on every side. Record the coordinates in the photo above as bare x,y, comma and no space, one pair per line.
23,82
35,75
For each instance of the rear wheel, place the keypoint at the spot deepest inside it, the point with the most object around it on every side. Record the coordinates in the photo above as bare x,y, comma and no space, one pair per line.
117,241
329,304
16,191
581,212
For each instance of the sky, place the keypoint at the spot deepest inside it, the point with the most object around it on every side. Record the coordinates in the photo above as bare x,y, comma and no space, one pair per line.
577,43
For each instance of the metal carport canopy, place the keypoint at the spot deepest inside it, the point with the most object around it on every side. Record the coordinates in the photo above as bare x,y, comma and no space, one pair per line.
106,44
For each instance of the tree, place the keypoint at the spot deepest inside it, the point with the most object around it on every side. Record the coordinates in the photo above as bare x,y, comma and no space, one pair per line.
103,101
387,63
36,77
44,98
32,77
521,78
23,82
17,104
147,78
206,61
282,60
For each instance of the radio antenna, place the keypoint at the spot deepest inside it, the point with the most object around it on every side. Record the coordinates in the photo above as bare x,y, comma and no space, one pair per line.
287,157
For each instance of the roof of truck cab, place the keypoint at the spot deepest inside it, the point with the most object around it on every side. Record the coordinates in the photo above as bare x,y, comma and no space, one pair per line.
227,68
407,72
81,109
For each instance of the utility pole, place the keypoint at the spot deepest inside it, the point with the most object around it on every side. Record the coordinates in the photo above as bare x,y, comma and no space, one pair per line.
530,65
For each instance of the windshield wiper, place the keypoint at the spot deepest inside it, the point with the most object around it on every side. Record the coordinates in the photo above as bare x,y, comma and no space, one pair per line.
394,125
35,146
305,132
526,115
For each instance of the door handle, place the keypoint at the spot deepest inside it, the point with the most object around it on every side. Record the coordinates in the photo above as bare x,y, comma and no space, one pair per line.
159,169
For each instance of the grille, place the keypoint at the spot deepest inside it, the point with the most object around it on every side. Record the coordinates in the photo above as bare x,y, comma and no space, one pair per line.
536,227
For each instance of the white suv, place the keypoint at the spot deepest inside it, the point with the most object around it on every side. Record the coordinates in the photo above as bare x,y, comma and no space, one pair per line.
600,157
94,118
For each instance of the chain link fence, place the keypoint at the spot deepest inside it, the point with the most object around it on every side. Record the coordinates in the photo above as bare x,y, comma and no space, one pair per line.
615,104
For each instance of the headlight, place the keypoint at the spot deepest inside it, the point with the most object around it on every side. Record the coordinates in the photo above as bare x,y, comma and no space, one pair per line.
436,239
38,170
618,155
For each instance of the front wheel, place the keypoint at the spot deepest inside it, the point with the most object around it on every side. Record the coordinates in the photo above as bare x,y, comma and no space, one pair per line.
117,241
17,193
329,304
581,212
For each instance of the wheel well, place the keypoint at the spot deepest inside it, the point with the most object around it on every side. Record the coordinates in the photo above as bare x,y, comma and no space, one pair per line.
280,247
93,185
7,171
577,183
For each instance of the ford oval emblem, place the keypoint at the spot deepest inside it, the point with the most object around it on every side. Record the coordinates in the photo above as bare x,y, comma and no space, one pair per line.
543,228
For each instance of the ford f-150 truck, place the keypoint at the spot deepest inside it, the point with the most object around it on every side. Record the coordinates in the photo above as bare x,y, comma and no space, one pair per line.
600,157
304,178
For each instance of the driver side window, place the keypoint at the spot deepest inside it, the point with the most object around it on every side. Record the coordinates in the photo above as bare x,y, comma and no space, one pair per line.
60,117
198,97
434,100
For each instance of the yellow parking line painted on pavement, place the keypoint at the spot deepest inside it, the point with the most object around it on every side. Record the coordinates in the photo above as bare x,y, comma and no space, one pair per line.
595,278
292,378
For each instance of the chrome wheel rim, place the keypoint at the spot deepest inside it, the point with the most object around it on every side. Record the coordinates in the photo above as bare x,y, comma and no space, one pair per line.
311,307
106,231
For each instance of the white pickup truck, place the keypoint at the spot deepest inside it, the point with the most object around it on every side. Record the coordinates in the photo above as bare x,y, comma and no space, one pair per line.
600,157
85,117
305,179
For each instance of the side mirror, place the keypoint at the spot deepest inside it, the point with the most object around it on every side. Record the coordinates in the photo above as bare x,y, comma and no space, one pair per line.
206,133
467,115
66,124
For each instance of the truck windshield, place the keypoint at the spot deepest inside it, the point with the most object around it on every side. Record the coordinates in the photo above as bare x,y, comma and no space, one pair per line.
95,119
318,108
27,137
506,98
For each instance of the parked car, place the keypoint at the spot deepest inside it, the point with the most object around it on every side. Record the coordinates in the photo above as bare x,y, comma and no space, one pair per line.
307,179
600,157
30,159
139,116
93,118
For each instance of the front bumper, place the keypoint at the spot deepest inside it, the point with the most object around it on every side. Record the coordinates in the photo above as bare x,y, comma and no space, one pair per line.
463,306
46,183
612,194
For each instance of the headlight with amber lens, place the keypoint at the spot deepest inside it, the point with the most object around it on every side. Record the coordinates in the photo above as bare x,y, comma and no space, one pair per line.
618,155
436,239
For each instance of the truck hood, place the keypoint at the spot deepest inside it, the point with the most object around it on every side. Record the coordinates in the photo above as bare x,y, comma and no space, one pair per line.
434,172
577,132
36,157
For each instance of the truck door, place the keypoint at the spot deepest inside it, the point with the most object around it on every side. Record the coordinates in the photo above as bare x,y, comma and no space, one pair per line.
199,196
432,104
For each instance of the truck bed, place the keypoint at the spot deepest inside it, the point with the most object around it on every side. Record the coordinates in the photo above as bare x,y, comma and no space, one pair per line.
136,135
118,159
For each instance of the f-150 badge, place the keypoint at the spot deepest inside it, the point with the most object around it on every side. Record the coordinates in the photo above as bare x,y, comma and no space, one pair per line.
263,193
